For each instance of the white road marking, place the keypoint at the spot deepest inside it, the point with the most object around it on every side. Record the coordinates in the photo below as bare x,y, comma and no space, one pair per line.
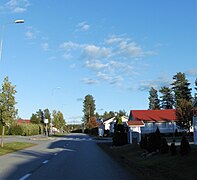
46,161
25,176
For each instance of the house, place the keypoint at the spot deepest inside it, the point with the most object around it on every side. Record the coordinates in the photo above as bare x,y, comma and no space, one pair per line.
26,121
165,120
109,123
134,130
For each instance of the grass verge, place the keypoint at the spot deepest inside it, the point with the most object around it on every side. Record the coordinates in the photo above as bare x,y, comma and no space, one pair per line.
14,146
160,166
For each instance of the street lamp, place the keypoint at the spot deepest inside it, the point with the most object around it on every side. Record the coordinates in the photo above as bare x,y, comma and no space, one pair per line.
18,21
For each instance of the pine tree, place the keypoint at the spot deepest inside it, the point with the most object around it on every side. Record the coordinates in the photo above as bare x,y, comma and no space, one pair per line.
153,99
167,100
183,100
88,108
8,111
181,89
195,95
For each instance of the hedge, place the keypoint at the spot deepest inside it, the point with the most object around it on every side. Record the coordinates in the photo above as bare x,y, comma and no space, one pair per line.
26,129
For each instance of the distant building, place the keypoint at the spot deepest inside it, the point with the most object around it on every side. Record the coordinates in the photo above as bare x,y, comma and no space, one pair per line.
26,121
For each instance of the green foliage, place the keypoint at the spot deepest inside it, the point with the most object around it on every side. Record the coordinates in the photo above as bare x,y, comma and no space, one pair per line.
144,142
35,119
173,150
120,135
153,99
58,120
7,103
88,108
107,115
25,129
181,88
47,115
164,148
185,147
154,141
184,113
167,100
6,129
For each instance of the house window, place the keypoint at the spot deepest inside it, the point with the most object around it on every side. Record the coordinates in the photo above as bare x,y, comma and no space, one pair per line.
161,125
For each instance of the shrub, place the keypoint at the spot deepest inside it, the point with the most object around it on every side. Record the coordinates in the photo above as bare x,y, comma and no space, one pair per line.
173,150
154,141
144,142
185,147
164,146
119,137
25,129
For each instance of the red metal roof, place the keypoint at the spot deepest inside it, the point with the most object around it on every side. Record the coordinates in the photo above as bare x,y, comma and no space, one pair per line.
135,123
27,121
153,115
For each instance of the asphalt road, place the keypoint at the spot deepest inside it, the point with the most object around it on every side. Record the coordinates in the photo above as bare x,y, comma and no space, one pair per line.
75,156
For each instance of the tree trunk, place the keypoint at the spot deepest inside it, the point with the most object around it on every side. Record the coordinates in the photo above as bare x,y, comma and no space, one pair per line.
2,136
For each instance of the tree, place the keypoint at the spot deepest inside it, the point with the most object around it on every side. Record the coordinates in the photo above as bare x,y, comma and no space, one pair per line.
8,111
58,120
40,115
34,119
195,95
88,108
153,99
184,113
108,115
181,89
92,123
47,115
183,100
167,100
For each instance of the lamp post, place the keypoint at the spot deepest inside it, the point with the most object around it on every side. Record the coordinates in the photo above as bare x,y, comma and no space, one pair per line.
18,21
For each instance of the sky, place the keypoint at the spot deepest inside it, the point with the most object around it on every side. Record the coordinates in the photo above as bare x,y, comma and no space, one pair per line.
114,50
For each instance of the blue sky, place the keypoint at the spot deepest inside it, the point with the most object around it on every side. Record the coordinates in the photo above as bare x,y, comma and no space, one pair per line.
113,50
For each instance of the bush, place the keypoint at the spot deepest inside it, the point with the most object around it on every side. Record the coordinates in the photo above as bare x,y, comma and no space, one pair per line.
25,129
185,147
6,129
119,137
173,150
144,142
164,146
154,141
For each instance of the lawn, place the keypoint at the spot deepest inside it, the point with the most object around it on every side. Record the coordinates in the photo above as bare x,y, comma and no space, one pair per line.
14,146
160,166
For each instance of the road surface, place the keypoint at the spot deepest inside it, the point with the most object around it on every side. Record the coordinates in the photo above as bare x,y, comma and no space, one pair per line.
75,156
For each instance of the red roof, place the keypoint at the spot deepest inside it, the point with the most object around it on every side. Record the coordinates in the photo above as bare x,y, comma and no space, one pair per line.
135,123
27,121
153,115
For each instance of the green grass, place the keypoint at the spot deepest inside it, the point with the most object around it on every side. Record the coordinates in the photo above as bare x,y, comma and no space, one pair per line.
160,166
14,146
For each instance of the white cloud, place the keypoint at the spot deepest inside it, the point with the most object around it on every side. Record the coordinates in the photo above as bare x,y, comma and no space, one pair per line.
31,33
69,45
45,46
113,60
157,84
17,6
191,72
89,81
95,65
103,76
95,52
83,26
